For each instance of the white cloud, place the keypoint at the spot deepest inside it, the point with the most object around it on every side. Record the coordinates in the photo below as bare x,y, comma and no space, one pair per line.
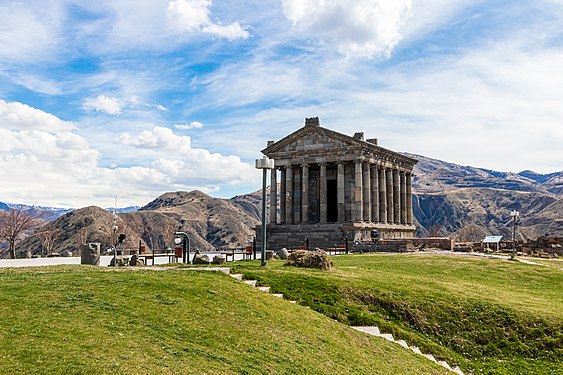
116,106
357,28
27,33
21,117
159,138
102,103
188,15
194,15
43,161
229,32
191,125
199,163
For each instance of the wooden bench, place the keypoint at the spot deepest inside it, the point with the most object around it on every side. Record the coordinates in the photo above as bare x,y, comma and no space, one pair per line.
152,256
336,250
246,253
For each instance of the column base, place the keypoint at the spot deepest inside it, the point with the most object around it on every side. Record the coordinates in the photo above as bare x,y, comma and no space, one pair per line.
328,235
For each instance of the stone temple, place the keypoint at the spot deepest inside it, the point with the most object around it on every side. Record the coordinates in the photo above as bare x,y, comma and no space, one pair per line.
328,186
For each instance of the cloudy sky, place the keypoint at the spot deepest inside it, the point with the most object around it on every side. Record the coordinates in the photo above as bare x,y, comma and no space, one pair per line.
138,97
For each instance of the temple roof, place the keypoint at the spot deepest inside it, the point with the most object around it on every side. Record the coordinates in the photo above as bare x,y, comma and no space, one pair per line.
314,141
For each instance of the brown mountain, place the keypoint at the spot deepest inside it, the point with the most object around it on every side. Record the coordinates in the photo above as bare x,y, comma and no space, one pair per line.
209,222
473,202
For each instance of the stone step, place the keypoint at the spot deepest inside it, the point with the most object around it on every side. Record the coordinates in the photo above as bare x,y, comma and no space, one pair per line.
430,357
387,336
457,370
403,343
370,330
279,295
445,365
416,349
292,301
264,288
250,282
237,276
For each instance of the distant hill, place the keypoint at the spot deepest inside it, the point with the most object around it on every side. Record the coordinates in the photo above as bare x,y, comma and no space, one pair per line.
209,222
472,202
448,199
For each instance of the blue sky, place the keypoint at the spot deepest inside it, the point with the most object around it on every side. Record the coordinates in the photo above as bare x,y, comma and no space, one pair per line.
136,98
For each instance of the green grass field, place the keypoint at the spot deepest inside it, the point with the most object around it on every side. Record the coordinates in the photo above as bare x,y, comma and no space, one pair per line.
486,315
88,320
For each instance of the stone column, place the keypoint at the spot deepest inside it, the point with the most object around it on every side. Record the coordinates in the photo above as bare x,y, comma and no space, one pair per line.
409,198
340,192
274,196
297,195
382,196
367,192
305,194
358,202
396,198
403,198
289,195
282,195
389,183
322,194
374,194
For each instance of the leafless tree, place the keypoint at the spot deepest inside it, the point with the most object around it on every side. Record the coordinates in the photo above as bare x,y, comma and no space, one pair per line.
48,235
15,223
470,233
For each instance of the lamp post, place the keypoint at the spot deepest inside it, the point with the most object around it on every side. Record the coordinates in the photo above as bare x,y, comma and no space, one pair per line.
514,215
264,164
185,239
114,239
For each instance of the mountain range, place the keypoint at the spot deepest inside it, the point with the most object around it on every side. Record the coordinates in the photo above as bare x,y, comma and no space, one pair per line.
464,202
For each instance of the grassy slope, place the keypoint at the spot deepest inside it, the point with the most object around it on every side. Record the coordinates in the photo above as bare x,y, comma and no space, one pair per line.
88,320
489,316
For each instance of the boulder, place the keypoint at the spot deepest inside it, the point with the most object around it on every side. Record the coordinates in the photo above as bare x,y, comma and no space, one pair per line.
269,254
309,259
201,259
135,261
120,260
66,253
283,253
219,259
90,254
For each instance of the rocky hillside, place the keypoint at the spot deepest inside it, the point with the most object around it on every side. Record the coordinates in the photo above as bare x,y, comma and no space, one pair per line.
472,202
209,222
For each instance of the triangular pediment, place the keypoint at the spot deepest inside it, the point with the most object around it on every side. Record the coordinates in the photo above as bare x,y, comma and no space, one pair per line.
310,138
312,142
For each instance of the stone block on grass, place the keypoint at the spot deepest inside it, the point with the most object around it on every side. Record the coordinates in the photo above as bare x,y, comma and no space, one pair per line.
219,259
283,253
135,261
310,259
201,259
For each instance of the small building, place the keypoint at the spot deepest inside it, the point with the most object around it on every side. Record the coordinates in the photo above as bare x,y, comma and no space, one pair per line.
333,186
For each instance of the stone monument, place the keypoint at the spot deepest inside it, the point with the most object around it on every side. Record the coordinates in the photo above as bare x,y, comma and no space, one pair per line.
90,253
